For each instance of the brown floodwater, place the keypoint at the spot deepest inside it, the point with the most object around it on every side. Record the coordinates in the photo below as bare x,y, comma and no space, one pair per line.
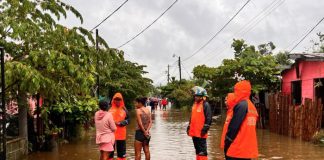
170,142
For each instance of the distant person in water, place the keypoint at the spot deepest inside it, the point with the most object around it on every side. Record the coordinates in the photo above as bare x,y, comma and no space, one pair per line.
164,103
105,128
200,121
154,107
142,133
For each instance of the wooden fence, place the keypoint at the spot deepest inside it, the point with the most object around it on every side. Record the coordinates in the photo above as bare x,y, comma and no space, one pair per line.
301,121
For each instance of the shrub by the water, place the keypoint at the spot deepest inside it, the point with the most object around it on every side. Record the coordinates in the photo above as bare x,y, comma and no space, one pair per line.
319,138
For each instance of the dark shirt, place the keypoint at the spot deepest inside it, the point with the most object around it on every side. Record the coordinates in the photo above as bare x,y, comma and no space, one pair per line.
207,113
240,111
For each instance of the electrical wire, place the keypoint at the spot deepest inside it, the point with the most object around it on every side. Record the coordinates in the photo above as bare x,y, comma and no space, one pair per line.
186,70
109,15
306,35
250,25
217,33
148,25
273,8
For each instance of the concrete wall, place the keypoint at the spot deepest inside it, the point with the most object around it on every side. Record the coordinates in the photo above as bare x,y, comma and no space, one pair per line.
16,149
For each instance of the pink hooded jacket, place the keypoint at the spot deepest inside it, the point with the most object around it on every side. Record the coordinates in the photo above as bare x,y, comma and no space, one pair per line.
105,127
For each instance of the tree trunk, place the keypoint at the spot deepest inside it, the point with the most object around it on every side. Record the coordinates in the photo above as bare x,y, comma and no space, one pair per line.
22,113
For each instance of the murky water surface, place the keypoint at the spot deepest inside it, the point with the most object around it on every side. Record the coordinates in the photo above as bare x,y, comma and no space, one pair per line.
170,142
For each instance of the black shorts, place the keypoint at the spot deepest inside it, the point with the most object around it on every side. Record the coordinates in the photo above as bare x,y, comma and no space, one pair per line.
200,146
139,136
120,146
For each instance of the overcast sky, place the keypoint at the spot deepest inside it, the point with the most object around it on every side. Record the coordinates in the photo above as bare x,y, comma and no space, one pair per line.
191,23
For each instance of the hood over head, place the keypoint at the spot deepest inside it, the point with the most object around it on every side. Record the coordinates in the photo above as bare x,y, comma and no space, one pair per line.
230,100
118,96
242,90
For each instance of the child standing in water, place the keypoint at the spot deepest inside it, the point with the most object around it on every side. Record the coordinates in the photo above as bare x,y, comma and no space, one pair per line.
105,128
142,134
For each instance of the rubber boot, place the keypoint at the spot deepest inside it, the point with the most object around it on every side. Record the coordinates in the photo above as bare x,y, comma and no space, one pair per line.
202,157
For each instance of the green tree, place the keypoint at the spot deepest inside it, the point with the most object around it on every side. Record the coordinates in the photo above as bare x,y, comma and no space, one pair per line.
119,75
318,45
282,58
59,63
249,63
48,58
179,93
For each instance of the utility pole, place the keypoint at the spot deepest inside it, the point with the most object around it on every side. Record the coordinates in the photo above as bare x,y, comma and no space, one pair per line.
180,68
168,73
3,108
97,48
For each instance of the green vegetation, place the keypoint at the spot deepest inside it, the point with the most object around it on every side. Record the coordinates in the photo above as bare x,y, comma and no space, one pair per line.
318,45
178,93
259,66
319,138
59,64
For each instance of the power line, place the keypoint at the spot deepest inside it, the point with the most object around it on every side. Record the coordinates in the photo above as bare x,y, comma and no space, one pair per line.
306,35
109,15
149,25
173,72
186,71
251,24
273,8
174,63
250,27
217,32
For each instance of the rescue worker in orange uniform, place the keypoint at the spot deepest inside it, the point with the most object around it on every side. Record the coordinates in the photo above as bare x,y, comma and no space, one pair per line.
241,138
230,103
121,118
200,121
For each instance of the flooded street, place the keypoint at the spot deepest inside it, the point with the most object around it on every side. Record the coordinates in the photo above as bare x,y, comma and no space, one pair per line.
170,141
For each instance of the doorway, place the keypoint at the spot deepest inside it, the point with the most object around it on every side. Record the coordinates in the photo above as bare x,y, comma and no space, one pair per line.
319,93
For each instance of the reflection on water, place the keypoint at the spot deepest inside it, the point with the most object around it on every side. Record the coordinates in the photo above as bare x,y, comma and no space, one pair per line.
170,141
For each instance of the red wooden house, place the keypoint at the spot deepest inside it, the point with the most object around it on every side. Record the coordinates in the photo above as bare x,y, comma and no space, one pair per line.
304,78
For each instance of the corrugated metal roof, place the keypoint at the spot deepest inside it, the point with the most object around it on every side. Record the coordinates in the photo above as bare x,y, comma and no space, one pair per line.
310,56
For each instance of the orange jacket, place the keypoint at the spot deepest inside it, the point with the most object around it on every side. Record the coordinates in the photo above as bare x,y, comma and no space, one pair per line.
244,143
119,114
230,105
201,118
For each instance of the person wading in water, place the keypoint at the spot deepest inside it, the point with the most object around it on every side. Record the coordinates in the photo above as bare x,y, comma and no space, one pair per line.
142,133
105,128
200,121
241,139
121,118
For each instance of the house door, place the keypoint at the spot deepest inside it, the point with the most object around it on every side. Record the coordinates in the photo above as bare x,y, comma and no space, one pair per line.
319,93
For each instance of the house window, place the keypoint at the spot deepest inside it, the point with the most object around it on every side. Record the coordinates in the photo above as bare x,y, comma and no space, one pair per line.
296,92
